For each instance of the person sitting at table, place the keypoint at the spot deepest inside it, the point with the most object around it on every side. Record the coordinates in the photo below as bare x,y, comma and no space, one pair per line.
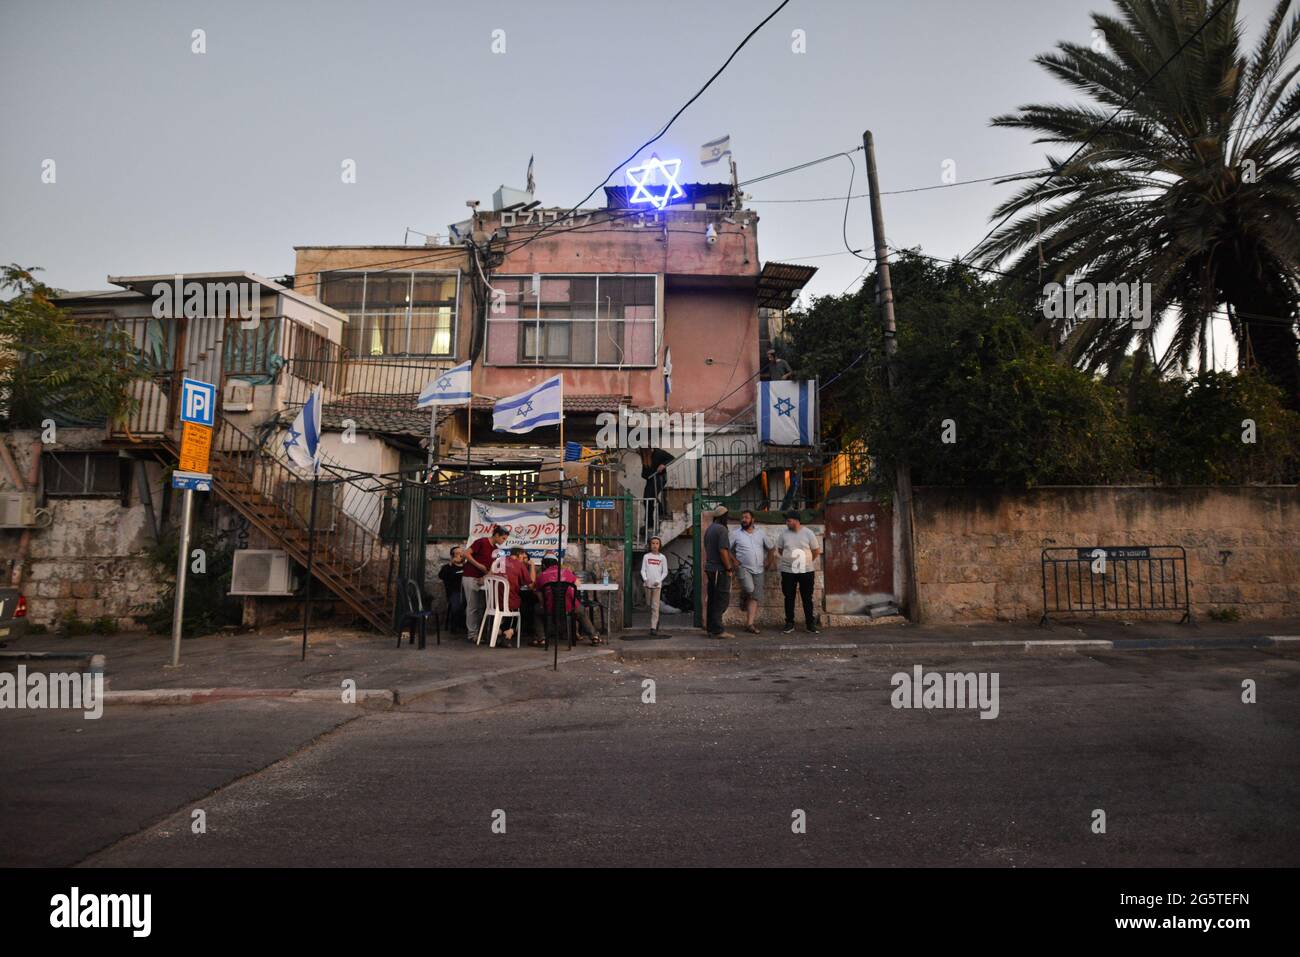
553,571
520,572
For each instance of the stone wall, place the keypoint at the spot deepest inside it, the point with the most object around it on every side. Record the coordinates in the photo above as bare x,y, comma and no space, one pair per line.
978,550
93,560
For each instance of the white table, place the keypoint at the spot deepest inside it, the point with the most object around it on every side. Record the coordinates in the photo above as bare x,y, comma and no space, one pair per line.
608,591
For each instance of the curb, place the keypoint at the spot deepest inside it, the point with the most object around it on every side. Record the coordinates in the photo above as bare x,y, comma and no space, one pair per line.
964,647
370,699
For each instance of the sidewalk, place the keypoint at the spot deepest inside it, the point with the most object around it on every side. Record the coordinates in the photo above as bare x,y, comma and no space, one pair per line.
268,664
985,638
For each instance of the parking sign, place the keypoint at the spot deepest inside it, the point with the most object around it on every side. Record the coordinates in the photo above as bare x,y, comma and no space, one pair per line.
198,402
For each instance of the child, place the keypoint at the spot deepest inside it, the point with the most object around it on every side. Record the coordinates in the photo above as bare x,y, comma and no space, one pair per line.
654,569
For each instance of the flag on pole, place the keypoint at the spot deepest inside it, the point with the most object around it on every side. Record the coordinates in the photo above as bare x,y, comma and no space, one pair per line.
668,374
531,185
538,406
787,412
303,442
714,150
450,388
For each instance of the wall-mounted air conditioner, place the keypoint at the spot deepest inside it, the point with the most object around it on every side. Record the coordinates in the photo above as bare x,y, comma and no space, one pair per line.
261,571
17,509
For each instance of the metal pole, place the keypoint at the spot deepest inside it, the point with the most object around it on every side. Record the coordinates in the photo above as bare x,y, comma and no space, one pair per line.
182,567
311,547
885,300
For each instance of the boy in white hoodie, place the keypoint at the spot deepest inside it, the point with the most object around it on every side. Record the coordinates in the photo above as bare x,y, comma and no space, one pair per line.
654,569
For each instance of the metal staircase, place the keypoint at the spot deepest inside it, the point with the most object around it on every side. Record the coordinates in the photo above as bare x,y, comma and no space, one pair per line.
348,558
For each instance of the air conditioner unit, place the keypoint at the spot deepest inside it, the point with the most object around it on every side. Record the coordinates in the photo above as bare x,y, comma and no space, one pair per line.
17,509
261,571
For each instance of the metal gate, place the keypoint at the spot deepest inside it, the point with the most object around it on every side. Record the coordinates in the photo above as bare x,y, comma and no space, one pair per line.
859,557
1133,578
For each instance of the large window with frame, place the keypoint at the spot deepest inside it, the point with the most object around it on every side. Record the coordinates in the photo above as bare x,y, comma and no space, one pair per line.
395,313
577,320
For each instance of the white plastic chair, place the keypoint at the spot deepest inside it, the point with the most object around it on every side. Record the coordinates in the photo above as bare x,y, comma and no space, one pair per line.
496,591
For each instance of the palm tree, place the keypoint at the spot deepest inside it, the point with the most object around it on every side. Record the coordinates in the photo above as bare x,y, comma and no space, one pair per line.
1193,187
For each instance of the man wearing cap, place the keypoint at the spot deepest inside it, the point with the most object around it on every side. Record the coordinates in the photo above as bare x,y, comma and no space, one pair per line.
798,549
718,563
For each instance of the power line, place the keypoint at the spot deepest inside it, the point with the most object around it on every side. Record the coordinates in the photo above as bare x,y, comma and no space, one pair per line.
666,126
1005,177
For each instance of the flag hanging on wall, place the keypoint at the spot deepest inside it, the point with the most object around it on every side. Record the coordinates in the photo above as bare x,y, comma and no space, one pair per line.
302,444
450,388
787,412
668,374
530,409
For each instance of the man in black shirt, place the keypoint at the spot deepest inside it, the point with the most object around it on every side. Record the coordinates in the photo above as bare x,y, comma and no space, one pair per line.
654,469
718,563
451,575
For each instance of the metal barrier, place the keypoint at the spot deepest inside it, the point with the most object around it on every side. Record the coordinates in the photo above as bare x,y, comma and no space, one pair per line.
1092,580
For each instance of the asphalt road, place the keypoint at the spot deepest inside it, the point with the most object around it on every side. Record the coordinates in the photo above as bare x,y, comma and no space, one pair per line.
710,773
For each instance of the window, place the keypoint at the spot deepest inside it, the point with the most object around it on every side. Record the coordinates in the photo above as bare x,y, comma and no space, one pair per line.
82,474
395,313
573,320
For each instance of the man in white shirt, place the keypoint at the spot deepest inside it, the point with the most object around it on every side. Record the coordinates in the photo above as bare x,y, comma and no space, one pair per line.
753,555
799,550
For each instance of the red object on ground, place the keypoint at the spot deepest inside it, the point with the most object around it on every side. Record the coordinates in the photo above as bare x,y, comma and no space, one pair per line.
20,610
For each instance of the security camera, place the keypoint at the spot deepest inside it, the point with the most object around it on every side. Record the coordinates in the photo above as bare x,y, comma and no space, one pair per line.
472,203
711,234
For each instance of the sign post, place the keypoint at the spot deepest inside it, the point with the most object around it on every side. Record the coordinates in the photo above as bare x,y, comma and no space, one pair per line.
198,412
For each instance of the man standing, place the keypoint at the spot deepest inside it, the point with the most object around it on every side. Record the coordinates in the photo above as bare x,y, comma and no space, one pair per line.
717,564
654,469
776,368
477,563
798,548
752,552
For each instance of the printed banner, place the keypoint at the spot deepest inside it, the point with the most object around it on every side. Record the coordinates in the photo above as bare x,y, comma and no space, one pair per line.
536,526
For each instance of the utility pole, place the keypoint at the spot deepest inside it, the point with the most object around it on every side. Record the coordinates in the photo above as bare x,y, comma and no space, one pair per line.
885,301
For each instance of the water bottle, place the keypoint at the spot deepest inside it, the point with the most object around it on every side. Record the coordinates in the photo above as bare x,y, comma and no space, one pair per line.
604,580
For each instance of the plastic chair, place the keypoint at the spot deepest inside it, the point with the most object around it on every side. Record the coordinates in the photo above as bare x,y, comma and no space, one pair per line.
557,619
416,617
496,591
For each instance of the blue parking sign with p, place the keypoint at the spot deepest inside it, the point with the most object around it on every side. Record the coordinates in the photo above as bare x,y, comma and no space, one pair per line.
198,402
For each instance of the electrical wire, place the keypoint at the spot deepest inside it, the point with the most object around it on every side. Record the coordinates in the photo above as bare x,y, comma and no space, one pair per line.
700,92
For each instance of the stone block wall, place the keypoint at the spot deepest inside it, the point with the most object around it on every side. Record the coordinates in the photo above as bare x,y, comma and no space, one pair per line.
978,550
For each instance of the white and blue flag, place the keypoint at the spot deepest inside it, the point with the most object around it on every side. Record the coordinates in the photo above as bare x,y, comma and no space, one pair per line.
302,444
450,388
787,412
538,406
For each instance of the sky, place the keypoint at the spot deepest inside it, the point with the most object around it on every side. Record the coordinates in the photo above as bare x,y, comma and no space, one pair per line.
168,160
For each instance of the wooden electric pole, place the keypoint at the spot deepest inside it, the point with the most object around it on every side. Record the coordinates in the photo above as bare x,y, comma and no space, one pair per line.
885,302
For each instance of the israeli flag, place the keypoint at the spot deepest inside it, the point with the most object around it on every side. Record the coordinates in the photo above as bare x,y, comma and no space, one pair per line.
524,412
450,388
714,150
787,412
302,444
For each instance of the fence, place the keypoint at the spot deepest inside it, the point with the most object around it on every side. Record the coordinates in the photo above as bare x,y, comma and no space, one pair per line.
1109,579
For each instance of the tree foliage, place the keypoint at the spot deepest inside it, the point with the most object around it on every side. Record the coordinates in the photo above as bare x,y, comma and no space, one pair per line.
982,399
53,366
1193,187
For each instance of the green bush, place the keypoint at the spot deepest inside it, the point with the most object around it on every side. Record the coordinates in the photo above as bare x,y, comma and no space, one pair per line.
208,604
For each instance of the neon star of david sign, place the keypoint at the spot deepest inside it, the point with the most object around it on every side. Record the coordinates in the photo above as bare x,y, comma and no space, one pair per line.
640,176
